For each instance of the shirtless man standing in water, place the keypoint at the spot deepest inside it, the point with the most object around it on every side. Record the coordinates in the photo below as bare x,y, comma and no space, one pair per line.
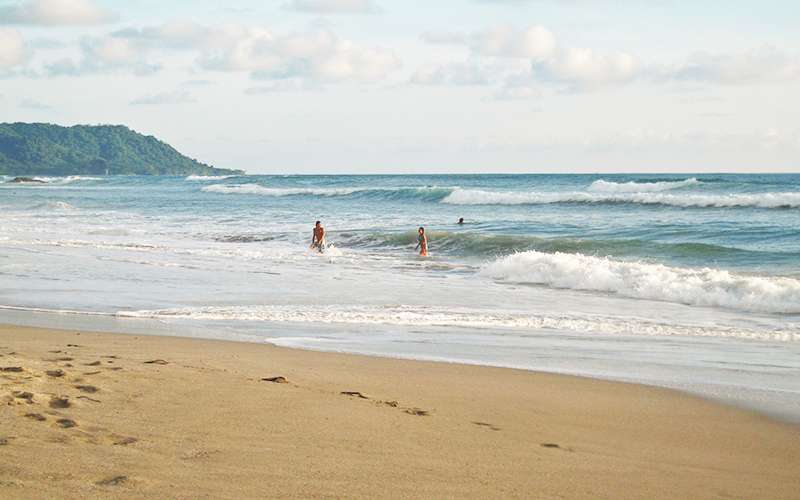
318,238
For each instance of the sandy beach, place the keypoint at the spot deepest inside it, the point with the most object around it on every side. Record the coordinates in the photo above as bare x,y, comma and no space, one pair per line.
89,415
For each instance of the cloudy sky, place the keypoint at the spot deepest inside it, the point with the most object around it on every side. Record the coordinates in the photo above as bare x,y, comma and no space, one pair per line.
352,86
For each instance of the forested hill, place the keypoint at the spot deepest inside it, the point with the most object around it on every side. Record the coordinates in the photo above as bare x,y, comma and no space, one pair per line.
45,149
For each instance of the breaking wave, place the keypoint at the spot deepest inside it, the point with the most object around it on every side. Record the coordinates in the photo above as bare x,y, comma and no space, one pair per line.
603,186
68,179
600,192
53,180
265,191
426,192
57,205
474,244
759,200
208,177
697,287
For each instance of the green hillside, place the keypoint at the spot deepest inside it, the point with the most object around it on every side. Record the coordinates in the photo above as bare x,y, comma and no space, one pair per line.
45,149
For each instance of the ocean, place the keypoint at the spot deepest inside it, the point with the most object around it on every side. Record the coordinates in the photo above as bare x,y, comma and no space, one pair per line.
683,281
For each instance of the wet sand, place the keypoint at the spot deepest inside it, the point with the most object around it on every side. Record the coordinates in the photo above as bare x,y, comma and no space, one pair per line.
87,415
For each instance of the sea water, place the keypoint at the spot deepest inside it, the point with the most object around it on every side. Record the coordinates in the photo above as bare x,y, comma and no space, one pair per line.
684,281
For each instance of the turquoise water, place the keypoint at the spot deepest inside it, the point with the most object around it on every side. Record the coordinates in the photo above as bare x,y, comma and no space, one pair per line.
689,281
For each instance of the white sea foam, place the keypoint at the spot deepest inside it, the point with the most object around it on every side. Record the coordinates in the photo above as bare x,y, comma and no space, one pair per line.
67,179
56,205
227,253
265,191
406,315
603,186
756,200
698,287
208,177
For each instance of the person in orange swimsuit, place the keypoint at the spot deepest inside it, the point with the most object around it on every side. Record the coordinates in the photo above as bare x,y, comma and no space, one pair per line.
318,237
423,243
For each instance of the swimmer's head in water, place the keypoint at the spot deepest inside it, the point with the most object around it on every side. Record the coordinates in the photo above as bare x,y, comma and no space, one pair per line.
317,223
461,220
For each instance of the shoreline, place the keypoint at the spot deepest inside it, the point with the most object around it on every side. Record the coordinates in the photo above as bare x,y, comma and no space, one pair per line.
761,401
105,322
186,416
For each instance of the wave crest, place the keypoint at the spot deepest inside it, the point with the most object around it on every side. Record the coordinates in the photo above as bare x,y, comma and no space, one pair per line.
265,191
208,177
760,200
432,192
696,287
603,186
476,244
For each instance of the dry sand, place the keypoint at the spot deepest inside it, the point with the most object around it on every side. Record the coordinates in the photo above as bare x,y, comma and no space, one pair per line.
87,415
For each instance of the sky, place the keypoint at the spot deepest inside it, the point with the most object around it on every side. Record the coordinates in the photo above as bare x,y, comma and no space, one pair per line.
392,86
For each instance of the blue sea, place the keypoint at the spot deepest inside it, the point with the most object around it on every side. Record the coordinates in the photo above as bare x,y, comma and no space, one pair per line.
683,281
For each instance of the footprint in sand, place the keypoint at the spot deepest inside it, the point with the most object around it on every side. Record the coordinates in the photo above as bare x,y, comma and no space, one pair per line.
66,423
124,441
555,446
12,369
354,394
55,373
87,398
27,396
276,380
56,402
394,404
156,362
487,425
36,416
93,363
90,389
112,481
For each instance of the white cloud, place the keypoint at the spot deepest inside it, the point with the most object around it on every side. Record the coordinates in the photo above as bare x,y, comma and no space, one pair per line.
334,6
319,56
12,49
55,13
547,60
184,35
581,69
764,64
586,68
177,97
103,55
534,42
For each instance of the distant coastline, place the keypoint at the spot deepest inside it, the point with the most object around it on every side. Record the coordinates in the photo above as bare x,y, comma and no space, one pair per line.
28,149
